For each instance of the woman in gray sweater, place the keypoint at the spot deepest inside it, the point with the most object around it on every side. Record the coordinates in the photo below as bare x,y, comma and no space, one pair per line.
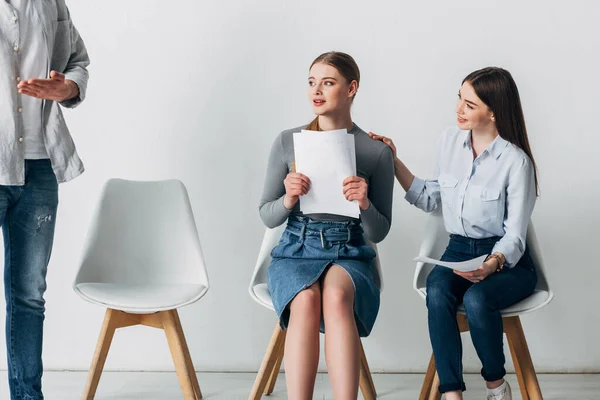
321,275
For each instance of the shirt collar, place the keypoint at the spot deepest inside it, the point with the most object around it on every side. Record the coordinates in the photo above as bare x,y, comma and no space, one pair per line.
495,148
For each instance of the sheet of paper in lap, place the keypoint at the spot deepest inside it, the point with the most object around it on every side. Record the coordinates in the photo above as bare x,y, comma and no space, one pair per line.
463,266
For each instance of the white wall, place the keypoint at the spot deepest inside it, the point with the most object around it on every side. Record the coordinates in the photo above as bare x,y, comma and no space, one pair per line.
197,90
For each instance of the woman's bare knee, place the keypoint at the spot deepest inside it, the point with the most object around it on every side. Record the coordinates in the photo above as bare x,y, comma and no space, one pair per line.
307,302
338,292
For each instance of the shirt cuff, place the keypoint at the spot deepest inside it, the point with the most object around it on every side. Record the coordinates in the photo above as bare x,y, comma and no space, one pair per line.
81,86
511,256
414,192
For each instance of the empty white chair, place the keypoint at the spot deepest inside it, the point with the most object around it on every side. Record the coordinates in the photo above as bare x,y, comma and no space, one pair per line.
269,369
142,261
433,246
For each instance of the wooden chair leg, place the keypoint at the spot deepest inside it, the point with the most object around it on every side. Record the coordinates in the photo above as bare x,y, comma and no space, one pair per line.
268,363
364,366
509,329
529,375
104,340
428,381
275,373
435,388
188,357
365,386
526,376
178,347
167,320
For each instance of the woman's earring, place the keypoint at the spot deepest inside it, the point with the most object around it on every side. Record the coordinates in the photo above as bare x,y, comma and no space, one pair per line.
493,119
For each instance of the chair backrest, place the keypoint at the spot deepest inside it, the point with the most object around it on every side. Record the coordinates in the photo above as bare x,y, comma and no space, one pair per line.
143,233
271,239
435,242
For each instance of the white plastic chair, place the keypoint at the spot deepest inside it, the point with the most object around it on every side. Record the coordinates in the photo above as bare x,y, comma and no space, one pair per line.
269,369
142,261
433,246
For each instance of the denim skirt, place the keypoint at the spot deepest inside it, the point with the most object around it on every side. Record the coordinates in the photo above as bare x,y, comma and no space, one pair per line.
305,251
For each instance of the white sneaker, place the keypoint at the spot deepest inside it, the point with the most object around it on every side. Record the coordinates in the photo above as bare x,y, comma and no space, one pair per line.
505,393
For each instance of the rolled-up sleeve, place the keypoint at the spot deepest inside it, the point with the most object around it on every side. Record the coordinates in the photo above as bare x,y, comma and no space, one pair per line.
424,194
520,200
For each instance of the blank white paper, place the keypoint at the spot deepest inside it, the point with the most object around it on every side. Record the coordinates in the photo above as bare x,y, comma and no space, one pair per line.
463,266
327,158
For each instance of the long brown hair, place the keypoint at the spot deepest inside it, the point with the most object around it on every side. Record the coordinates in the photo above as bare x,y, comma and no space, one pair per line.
498,90
346,66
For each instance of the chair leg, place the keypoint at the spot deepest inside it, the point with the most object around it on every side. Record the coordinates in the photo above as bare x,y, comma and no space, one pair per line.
365,386
113,319
188,357
435,388
275,373
508,324
428,381
528,383
268,363
178,346
365,374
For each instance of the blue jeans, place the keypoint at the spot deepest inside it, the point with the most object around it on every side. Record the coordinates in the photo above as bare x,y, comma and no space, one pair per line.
483,302
27,216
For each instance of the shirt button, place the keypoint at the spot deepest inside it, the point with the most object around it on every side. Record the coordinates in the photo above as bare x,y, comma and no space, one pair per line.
15,18
20,140
16,48
20,109
18,79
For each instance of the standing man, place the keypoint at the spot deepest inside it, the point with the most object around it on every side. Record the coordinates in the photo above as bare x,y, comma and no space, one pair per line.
42,64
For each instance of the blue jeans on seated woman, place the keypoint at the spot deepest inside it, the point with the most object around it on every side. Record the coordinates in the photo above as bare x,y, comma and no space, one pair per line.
483,301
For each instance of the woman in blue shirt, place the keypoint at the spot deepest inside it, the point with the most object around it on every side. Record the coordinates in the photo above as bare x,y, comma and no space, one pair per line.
485,182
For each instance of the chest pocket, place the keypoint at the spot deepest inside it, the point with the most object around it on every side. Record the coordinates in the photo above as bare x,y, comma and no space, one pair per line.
492,206
447,189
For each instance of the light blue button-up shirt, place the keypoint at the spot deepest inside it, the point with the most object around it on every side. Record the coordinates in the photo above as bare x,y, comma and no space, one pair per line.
491,195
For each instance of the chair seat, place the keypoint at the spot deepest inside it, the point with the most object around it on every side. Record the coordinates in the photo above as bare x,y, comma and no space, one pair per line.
141,299
538,299
262,293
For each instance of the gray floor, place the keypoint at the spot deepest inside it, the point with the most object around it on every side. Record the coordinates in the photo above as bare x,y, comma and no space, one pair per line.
236,386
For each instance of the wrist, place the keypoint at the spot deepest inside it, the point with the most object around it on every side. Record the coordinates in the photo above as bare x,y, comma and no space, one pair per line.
72,89
364,204
289,202
498,260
